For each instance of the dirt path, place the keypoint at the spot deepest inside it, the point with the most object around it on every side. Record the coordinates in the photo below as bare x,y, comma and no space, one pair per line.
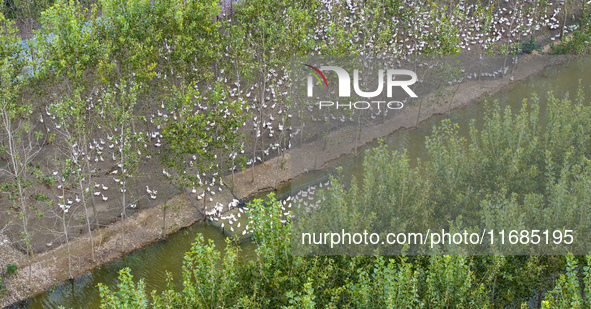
145,227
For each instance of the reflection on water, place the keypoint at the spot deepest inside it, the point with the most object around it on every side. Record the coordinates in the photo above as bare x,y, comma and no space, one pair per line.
153,261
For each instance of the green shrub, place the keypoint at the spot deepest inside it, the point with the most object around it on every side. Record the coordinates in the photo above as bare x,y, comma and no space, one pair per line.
530,46
12,269
579,41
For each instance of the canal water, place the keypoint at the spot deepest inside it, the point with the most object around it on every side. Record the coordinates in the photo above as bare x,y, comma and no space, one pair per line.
153,261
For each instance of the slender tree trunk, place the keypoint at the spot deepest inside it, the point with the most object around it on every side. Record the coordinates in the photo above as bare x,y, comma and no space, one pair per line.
277,167
16,172
492,298
419,111
508,47
262,148
26,230
564,20
19,162
163,220
123,218
204,201
233,168
452,98
67,244
123,196
358,135
88,223
92,201
254,156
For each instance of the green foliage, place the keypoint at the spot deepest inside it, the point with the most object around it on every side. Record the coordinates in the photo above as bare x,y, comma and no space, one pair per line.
128,295
578,43
74,47
571,291
450,283
305,301
276,279
201,126
208,280
12,269
391,284
24,9
188,39
11,66
445,38
530,46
